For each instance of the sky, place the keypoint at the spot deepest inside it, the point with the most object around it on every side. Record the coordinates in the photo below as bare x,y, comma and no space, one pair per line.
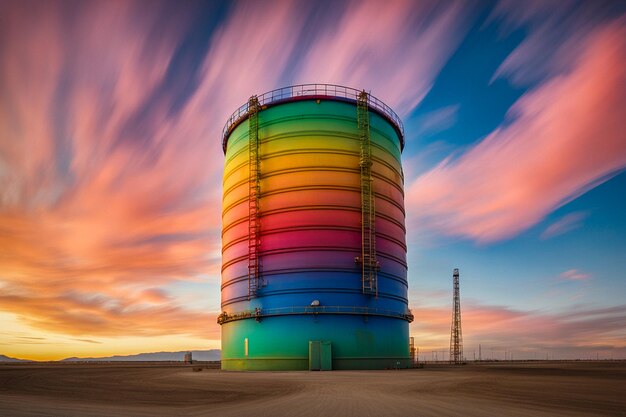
111,115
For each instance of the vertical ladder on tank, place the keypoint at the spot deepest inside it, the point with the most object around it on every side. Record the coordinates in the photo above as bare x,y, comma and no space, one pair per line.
254,184
369,263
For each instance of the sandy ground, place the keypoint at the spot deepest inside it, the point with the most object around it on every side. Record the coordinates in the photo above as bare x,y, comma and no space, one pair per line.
546,389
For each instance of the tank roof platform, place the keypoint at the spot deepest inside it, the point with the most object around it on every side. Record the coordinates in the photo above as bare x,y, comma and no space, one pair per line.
313,92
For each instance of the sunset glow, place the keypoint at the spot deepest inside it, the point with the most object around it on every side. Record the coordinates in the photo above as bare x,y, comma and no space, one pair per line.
111,163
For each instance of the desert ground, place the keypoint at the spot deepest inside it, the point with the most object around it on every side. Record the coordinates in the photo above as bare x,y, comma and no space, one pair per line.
497,389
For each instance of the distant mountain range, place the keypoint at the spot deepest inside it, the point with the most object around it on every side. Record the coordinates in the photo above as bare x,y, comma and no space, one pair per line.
9,359
197,355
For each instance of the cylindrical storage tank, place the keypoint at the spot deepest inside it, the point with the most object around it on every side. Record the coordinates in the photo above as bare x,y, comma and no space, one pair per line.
314,272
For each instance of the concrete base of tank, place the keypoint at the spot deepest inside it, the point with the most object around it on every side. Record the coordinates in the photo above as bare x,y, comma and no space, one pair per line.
281,343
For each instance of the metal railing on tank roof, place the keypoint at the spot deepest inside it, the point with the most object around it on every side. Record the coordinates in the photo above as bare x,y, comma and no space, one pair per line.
311,90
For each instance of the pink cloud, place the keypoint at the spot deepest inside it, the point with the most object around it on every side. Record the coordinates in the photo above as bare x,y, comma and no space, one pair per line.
105,193
154,296
565,224
563,139
574,275
79,315
554,32
580,328
384,49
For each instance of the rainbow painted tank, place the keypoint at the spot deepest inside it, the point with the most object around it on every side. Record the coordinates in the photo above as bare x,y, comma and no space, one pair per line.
314,272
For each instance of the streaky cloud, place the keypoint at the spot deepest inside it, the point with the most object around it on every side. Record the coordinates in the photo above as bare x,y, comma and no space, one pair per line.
565,224
563,138
395,50
110,169
581,328
574,275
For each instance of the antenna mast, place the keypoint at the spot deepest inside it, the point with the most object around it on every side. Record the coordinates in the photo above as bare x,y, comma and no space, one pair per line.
456,336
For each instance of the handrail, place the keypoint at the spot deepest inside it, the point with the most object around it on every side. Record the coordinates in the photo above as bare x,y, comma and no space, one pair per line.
259,313
313,90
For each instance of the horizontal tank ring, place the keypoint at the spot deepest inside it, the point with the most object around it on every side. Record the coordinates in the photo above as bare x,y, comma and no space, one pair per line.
312,310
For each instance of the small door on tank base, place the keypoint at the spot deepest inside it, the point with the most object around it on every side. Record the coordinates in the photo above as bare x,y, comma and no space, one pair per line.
320,355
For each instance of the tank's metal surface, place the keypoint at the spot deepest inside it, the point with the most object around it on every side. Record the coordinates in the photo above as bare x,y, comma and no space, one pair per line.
292,238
